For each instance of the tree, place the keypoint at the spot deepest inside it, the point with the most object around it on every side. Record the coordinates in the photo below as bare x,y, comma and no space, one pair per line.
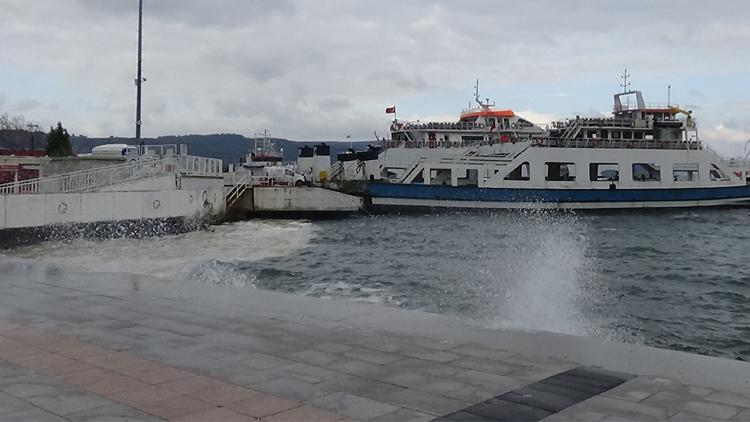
58,142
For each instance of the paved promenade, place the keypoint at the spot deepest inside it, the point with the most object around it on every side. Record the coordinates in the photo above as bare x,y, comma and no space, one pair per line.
85,347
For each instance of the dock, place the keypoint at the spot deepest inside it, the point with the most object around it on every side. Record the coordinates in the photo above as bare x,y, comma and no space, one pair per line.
104,346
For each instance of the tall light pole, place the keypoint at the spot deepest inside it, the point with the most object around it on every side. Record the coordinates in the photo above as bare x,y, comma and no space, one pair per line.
139,79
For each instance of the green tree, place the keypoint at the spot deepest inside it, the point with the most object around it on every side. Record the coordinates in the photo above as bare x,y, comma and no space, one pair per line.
58,142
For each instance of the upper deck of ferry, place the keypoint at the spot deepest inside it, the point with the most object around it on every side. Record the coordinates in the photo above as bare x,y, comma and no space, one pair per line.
634,124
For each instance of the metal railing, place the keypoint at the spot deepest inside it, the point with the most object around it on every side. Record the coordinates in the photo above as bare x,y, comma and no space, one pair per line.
200,166
87,180
92,179
618,143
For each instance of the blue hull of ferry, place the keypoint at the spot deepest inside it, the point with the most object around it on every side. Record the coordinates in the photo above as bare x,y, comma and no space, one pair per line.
653,197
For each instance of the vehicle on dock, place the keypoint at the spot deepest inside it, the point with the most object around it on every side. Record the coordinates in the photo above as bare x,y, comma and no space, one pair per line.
642,156
264,165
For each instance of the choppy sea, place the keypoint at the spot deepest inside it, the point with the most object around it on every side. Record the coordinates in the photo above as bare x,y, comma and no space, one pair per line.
671,279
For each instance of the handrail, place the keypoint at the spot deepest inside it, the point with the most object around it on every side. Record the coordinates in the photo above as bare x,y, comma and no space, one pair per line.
91,179
86,180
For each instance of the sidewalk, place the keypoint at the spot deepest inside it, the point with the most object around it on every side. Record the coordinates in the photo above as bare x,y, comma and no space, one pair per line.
109,346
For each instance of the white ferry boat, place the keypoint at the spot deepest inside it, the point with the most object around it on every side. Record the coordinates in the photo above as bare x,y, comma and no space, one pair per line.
643,156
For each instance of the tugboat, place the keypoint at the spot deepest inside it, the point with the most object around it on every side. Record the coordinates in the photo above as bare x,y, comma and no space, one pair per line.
265,163
642,156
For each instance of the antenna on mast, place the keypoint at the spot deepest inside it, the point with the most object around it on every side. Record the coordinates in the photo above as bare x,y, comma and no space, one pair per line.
139,79
479,101
625,84
669,95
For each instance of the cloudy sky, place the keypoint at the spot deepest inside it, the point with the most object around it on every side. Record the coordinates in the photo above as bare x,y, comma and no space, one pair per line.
325,69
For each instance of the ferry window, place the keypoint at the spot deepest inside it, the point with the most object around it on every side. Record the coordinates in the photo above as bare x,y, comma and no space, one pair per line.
519,173
561,171
440,177
685,172
717,174
419,178
646,172
604,172
471,179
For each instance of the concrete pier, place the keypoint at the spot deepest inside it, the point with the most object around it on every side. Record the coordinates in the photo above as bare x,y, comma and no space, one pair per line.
293,200
104,346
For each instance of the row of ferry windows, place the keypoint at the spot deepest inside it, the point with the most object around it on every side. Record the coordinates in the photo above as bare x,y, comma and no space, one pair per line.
642,172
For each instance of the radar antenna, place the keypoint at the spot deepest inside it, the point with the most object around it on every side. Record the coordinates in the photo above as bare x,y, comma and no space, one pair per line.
625,84
486,103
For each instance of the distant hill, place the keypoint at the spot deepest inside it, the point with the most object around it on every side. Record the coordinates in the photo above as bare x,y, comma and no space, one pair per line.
228,147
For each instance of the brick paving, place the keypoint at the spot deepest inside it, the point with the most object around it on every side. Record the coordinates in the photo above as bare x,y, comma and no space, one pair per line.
59,365
82,347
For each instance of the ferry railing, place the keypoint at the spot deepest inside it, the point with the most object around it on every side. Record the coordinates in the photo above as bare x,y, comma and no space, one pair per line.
441,126
87,180
619,143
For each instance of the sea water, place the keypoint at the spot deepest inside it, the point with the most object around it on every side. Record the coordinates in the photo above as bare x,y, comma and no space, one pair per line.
673,279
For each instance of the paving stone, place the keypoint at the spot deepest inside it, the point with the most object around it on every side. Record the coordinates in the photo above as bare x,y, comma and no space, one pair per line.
262,405
601,374
262,361
158,375
307,373
331,347
224,394
291,389
481,352
462,416
492,380
305,413
31,414
435,369
432,355
242,375
726,397
354,406
540,399
315,357
742,416
576,383
191,384
560,391
29,385
712,409
373,356
691,417
360,386
176,406
66,402
633,391
138,397
215,415
114,383
403,415
425,402
476,394
111,413
11,404
499,410
484,365
608,405
362,369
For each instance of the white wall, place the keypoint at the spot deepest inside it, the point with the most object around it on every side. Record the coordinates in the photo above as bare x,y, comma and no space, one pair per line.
35,210
303,199
201,182
165,182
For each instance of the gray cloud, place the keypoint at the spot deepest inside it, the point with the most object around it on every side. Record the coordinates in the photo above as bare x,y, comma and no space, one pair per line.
330,67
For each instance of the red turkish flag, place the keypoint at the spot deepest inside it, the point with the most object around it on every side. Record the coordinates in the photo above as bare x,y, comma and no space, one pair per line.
390,110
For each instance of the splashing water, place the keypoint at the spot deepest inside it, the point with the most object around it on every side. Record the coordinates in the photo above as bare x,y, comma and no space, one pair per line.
675,280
